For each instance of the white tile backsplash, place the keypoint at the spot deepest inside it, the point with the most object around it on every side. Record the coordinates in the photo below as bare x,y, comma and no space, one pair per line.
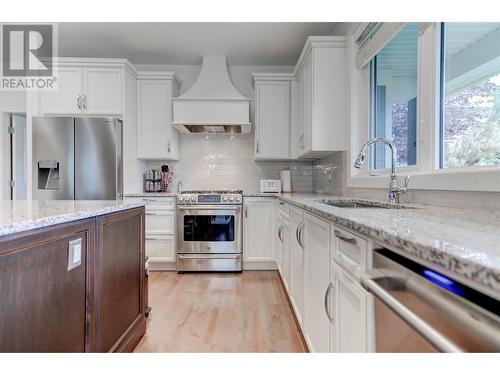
223,161
335,166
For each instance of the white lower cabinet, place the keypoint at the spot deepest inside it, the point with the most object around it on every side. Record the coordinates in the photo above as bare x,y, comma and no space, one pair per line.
259,233
297,263
279,247
284,245
160,231
160,248
350,313
318,259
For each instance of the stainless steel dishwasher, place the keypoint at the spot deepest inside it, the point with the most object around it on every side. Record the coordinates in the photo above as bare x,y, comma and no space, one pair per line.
420,310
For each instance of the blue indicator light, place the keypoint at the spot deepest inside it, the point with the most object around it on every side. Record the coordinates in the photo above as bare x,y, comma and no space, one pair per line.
438,278
443,282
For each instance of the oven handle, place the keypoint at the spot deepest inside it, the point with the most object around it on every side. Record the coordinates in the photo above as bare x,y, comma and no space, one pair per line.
209,207
427,331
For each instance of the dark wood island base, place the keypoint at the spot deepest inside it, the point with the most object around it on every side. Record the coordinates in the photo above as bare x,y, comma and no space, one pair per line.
97,306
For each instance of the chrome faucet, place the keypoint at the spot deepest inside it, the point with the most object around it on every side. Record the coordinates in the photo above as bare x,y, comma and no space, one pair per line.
394,188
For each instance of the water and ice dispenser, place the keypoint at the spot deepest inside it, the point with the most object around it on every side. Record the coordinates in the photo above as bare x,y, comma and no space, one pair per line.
48,174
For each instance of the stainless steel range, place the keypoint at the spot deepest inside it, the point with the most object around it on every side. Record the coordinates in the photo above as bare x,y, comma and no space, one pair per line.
209,230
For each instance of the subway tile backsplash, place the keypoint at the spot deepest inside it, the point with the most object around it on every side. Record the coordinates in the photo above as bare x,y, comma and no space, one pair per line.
224,161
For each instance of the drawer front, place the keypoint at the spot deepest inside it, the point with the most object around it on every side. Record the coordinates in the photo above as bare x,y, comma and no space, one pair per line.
218,262
349,251
284,209
160,247
160,222
156,203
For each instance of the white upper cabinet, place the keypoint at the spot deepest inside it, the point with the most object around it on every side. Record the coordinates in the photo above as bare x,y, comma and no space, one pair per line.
86,89
67,99
157,139
322,97
272,116
259,230
303,114
102,91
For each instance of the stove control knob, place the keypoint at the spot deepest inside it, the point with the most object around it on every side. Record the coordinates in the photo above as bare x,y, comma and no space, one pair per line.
193,199
238,199
231,198
181,199
224,199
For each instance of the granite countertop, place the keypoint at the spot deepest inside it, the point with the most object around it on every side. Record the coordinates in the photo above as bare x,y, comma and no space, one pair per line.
23,215
463,241
160,194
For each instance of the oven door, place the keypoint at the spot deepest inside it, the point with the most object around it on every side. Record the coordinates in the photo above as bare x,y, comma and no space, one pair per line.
209,229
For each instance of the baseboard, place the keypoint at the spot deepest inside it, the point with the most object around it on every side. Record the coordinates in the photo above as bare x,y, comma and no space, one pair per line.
258,266
160,265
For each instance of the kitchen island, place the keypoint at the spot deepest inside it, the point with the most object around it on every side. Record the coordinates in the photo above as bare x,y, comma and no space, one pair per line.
71,276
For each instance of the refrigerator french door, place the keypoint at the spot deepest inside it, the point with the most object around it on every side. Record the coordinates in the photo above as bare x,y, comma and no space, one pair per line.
77,158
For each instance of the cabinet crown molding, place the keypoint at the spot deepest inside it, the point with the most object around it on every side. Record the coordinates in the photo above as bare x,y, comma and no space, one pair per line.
158,75
272,77
85,62
318,42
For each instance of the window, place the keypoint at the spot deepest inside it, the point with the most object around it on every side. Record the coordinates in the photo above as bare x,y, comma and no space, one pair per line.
470,89
393,73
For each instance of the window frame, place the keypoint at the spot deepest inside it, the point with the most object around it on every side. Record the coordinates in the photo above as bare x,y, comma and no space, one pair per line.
426,173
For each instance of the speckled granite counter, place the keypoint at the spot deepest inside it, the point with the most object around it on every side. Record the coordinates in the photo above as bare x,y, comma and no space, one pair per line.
463,241
19,216
133,195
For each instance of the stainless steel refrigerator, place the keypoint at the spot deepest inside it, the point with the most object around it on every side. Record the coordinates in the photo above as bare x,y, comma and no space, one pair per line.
77,158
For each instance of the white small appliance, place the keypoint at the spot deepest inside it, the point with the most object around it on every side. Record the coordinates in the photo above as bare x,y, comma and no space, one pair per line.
270,186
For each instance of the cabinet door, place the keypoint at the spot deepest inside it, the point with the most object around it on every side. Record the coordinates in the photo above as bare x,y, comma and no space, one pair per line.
102,91
317,244
297,263
350,314
160,222
154,133
285,235
296,123
272,120
279,244
42,306
258,234
160,248
66,100
308,104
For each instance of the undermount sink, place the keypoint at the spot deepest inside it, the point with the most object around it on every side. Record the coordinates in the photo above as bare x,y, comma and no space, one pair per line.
361,203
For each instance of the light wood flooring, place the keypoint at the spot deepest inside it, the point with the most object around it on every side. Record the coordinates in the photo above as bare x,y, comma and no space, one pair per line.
217,312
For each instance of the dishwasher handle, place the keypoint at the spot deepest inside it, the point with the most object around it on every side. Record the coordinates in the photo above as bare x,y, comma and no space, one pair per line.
427,331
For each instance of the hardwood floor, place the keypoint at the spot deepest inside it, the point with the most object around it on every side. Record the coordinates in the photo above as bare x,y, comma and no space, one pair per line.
215,312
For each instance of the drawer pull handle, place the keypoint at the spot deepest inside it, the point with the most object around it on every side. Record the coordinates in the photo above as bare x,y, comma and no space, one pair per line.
340,236
151,238
151,214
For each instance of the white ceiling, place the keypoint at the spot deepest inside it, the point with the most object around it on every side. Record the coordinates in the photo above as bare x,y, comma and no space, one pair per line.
460,35
186,43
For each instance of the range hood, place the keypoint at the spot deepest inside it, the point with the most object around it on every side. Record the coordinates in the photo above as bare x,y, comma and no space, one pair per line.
213,104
